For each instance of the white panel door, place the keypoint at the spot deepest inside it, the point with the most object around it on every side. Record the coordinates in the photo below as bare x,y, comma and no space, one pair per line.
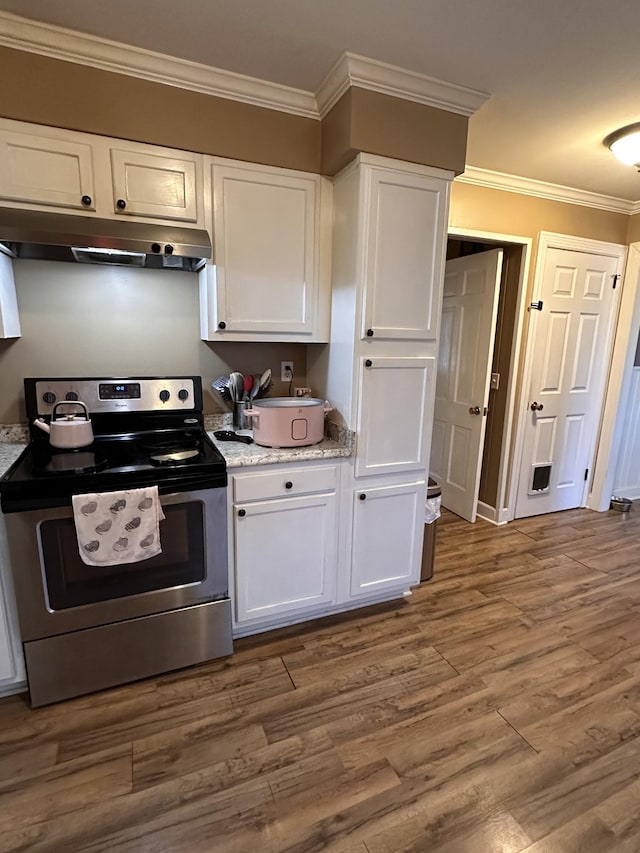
407,219
44,170
570,357
153,185
396,398
265,227
285,556
469,310
386,546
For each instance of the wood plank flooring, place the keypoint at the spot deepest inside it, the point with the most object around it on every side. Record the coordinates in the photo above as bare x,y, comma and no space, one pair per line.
497,709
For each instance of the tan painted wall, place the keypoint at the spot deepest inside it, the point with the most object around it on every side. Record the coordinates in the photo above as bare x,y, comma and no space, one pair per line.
500,212
92,321
511,213
633,232
63,94
392,127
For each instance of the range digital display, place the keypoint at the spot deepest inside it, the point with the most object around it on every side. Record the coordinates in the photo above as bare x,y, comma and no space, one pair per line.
119,390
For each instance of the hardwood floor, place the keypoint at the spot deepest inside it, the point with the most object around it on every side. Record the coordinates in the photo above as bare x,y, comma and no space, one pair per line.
498,709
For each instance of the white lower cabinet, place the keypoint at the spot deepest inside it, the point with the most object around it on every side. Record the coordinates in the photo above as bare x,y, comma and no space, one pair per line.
285,546
386,538
12,672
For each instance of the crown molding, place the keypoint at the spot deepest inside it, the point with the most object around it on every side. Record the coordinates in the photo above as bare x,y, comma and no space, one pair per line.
350,70
540,189
354,70
71,46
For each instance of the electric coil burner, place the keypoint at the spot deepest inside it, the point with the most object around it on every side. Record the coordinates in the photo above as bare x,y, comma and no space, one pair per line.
84,627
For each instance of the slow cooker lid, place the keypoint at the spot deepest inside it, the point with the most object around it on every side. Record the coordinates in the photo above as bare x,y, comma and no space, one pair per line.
287,402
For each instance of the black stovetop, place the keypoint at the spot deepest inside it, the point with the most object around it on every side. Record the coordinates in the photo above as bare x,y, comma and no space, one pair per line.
130,450
43,476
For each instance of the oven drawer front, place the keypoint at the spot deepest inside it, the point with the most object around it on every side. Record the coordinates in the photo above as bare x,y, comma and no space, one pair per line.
96,658
278,484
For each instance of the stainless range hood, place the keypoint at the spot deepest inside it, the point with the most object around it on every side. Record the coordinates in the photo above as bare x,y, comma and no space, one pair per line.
86,239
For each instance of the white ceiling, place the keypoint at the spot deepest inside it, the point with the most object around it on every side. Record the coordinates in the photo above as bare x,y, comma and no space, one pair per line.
562,73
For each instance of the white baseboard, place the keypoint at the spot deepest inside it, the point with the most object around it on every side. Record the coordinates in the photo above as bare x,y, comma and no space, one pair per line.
491,514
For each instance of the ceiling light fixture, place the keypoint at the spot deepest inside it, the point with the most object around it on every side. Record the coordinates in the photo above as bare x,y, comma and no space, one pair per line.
625,144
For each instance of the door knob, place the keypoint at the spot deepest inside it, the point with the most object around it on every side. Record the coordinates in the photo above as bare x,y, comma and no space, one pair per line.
536,407
474,410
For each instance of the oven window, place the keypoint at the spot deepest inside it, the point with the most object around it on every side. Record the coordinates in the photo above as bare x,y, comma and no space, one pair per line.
71,583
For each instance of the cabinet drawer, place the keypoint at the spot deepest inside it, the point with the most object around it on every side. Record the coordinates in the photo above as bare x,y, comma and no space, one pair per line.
276,484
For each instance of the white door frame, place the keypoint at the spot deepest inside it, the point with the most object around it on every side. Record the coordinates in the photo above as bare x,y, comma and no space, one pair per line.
617,395
505,509
549,240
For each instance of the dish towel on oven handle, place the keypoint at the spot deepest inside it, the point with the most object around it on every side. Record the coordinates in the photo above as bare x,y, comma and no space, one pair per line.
114,528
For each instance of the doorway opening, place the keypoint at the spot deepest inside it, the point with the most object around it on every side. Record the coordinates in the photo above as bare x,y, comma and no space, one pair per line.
475,465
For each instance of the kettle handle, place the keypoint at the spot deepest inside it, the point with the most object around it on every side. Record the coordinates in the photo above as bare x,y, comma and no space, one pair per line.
70,403
251,413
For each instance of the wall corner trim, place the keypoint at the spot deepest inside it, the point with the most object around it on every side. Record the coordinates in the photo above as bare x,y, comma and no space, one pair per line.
540,189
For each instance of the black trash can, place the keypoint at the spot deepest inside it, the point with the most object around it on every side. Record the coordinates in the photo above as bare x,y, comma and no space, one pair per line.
429,542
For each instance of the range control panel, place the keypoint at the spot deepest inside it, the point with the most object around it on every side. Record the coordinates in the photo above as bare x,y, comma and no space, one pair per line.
133,394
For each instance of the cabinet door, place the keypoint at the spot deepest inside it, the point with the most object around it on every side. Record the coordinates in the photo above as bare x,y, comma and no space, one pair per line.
46,170
285,556
387,537
9,319
395,414
266,239
7,664
152,185
11,662
404,255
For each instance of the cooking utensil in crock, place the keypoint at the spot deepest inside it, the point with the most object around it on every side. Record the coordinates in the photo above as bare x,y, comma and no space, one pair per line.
68,431
236,385
221,385
265,379
247,386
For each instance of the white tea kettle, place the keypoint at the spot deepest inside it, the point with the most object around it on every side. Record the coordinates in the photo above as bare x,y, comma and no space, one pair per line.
68,431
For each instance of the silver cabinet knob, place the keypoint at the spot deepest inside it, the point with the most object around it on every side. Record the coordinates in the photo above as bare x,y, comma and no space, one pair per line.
474,410
536,407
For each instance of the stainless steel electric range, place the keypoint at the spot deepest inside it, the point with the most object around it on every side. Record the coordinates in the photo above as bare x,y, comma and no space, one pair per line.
85,627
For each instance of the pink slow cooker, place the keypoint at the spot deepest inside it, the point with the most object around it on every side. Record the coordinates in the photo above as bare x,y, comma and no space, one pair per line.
288,421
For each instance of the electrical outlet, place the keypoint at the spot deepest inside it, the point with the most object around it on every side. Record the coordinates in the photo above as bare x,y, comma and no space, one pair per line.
286,371
301,392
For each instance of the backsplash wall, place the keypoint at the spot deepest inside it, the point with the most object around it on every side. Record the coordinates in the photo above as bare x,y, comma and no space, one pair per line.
100,321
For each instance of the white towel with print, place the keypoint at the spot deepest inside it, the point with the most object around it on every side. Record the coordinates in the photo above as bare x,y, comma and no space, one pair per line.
118,527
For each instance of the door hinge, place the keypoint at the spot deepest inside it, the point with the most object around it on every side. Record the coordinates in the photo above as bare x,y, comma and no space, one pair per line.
586,474
537,306
615,281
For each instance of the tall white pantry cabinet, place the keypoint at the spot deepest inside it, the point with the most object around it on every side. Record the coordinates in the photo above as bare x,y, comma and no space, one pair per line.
389,241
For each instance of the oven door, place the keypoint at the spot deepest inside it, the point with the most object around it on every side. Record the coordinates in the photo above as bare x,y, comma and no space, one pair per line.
57,592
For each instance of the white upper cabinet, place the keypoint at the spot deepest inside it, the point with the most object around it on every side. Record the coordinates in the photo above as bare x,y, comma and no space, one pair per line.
43,166
154,185
404,233
9,320
50,169
271,230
